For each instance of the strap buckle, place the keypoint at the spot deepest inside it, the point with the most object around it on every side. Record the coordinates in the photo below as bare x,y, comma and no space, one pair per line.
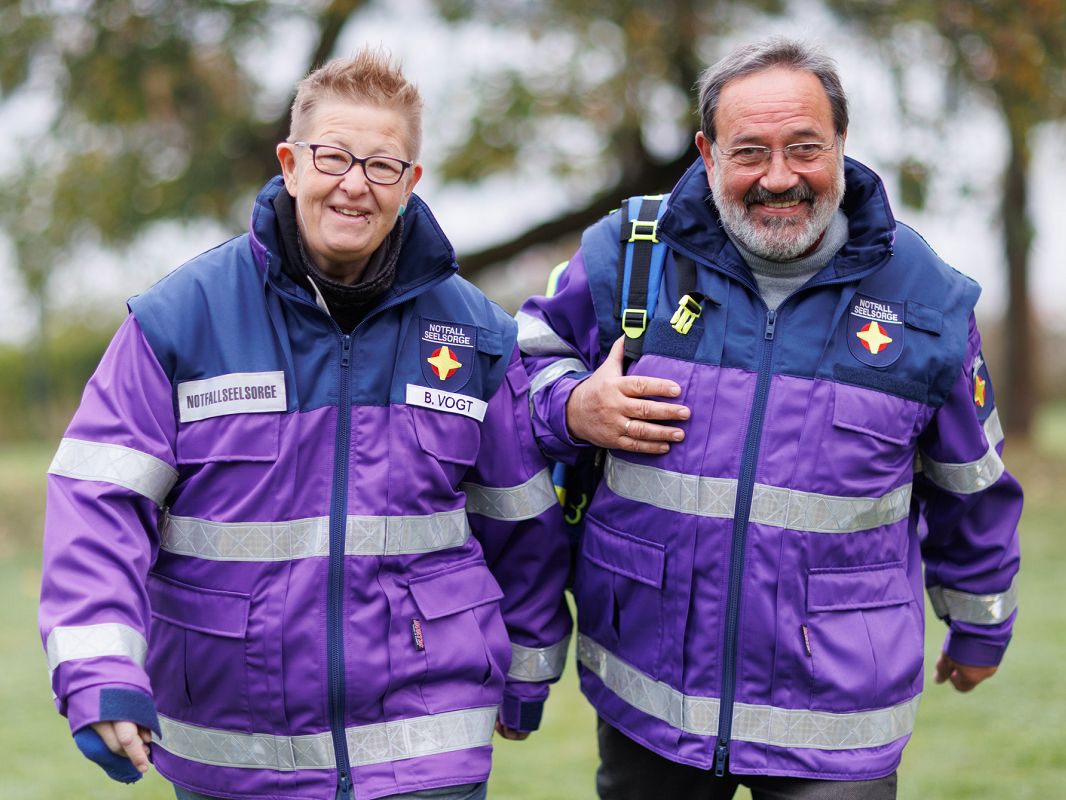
688,309
634,321
650,226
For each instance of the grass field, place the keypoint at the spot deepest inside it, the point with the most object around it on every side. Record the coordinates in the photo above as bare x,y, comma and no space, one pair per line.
1006,739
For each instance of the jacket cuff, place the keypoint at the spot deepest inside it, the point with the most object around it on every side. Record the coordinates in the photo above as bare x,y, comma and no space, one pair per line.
115,702
549,419
519,714
974,650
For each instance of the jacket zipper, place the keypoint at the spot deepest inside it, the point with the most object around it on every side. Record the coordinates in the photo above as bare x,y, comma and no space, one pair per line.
338,522
745,487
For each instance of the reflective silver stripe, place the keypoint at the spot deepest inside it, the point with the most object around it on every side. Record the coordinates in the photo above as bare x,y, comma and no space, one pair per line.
512,503
305,538
71,642
971,476
780,727
674,491
770,505
555,370
820,513
538,663
978,609
113,463
367,744
536,338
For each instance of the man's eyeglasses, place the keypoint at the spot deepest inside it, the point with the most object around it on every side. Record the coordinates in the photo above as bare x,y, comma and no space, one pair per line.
755,159
330,160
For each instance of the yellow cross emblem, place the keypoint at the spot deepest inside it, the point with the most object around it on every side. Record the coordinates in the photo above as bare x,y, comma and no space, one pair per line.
444,363
979,390
874,337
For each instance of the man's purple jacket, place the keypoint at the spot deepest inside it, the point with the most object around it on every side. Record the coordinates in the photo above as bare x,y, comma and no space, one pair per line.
752,600
325,559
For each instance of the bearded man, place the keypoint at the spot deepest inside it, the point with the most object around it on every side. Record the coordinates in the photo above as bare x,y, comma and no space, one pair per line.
749,577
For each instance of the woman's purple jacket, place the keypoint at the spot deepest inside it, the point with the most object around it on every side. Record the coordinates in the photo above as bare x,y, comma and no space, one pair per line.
753,599
325,559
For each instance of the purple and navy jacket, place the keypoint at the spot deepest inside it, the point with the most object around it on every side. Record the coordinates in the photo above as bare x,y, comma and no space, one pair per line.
325,559
752,600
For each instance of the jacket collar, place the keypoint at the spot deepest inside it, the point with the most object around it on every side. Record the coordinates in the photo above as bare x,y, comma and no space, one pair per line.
691,223
425,252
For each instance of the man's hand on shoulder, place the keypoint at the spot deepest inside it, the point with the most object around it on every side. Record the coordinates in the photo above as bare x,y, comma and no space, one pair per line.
612,410
963,677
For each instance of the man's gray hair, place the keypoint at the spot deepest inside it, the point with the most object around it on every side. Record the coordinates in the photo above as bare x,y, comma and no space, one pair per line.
769,53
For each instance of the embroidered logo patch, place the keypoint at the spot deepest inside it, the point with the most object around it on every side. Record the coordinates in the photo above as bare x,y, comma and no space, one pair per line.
416,634
447,353
875,330
235,393
983,395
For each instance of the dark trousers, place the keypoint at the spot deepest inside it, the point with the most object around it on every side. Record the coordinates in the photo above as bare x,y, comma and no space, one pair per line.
629,771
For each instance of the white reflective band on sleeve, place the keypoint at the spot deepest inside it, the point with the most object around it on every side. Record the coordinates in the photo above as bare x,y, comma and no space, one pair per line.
977,609
306,538
970,476
112,463
770,505
538,663
73,642
536,338
555,370
512,503
367,744
779,727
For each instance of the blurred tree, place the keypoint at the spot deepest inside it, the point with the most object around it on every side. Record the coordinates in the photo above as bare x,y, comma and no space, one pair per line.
1014,51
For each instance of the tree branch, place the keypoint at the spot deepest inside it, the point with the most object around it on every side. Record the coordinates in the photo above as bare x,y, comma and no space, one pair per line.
650,178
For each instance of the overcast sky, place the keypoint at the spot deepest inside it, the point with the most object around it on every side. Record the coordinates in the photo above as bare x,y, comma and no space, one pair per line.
959,222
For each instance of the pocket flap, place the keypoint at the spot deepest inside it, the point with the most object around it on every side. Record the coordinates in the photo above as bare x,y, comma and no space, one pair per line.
233,437
210,611
858,587
880,415
489,341
447,437
624,554
924,318
455,590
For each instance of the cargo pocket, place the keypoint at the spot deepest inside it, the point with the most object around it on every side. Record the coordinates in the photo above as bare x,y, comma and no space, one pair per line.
463,637
197,650
864,635
232,437
618,590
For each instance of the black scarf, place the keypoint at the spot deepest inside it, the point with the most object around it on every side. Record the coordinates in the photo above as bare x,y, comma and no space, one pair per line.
347,303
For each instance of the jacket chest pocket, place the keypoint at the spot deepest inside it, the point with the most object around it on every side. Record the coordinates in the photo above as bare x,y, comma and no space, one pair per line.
863,637
197,651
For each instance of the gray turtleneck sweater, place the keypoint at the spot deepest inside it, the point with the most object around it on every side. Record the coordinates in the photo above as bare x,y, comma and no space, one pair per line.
778,279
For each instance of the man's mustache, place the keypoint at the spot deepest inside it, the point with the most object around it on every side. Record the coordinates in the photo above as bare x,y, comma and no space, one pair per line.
798,193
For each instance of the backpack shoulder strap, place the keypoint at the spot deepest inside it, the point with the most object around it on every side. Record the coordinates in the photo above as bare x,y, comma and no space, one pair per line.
640,268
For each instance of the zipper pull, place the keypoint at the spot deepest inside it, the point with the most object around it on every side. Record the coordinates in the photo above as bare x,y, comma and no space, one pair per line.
346,350
721,753
771,323
344,788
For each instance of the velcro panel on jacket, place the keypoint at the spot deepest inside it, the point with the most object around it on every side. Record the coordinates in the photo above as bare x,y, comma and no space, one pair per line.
234,437
923,317
455,590
880,415
858,587
623,553
196,608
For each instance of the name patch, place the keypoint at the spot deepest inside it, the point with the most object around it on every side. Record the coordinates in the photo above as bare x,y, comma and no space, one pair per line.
875,330
235,393
446,401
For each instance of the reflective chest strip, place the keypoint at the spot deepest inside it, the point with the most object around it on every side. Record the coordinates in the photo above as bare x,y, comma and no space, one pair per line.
307,538
532,664
73,642
449,402
112,463
512,503
378,743
771,505
970,477
778,727
977,609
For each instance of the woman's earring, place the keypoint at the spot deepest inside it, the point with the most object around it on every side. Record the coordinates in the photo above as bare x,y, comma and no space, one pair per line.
402,207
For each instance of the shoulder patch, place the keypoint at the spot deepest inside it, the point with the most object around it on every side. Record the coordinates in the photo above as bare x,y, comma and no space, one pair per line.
875,330
448,351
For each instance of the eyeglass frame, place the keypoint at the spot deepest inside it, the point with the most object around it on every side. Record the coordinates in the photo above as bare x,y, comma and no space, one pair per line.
355,160
769,154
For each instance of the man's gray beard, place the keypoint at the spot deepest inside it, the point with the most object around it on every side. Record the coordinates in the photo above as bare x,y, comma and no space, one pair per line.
779,238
